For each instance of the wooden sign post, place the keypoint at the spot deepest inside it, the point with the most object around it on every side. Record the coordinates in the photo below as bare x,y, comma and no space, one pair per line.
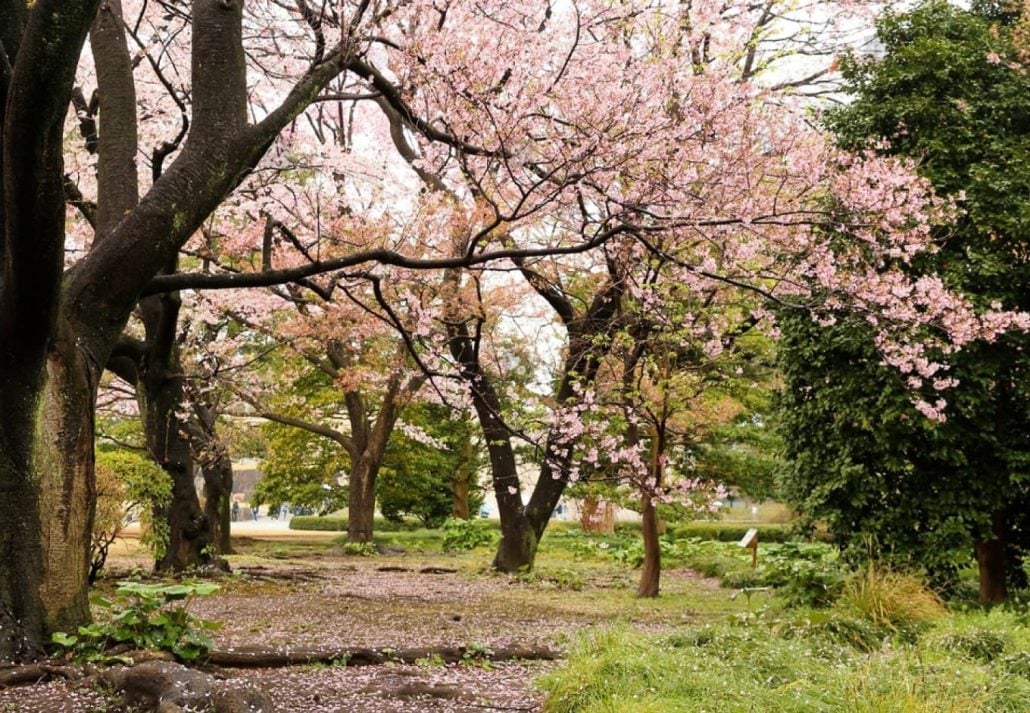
750,541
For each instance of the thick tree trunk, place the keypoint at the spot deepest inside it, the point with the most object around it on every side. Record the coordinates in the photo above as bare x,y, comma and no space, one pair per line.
361,502
991,561
46,497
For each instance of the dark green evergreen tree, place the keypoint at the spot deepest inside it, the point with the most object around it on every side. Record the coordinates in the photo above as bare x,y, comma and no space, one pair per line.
951,93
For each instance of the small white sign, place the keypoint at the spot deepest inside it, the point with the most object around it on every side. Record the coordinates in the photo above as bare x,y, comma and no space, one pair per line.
750,538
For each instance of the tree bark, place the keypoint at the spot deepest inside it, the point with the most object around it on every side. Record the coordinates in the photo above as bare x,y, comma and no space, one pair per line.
991,561
58,327
461,482
216,467
597,516
218,481
188,531
652,568
370,447
649,527
161,394
48,376
47,498
361,501
517,548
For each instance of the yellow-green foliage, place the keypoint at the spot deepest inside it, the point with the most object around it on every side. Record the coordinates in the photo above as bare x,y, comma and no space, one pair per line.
890,599
128,484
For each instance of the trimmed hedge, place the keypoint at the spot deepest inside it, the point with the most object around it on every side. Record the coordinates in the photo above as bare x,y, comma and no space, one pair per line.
316,522
336,523
731,532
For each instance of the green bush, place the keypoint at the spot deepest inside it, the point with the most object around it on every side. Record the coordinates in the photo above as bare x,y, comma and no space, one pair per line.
979,644
128,485
467,534
323,523
805,574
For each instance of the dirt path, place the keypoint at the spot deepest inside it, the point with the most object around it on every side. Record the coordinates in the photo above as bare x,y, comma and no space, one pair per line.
329,600
292,592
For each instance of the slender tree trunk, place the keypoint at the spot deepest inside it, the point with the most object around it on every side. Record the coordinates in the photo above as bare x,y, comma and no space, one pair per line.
991,561
217,496
160,392
652,568
517,548
649,527
216,467
371,447
461,481
460,498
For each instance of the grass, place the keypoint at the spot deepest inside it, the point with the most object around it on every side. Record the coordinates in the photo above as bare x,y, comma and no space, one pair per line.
752,667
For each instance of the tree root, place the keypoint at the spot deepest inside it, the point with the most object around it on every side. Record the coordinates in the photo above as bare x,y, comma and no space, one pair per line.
37,673
261,657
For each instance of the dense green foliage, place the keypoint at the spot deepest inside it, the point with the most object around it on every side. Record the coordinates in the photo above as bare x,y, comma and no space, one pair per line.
730,532
338,523
302,468
949,92
468,534
418,478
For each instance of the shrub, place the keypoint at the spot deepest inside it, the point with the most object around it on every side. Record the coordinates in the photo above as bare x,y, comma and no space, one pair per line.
467,534
322,523
806,575
128,485
338,523
979,644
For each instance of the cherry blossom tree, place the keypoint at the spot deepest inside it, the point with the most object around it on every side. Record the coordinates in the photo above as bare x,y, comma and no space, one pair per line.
553,129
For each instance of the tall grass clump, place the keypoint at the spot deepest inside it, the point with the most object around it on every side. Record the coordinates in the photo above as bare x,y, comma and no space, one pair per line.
893,600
